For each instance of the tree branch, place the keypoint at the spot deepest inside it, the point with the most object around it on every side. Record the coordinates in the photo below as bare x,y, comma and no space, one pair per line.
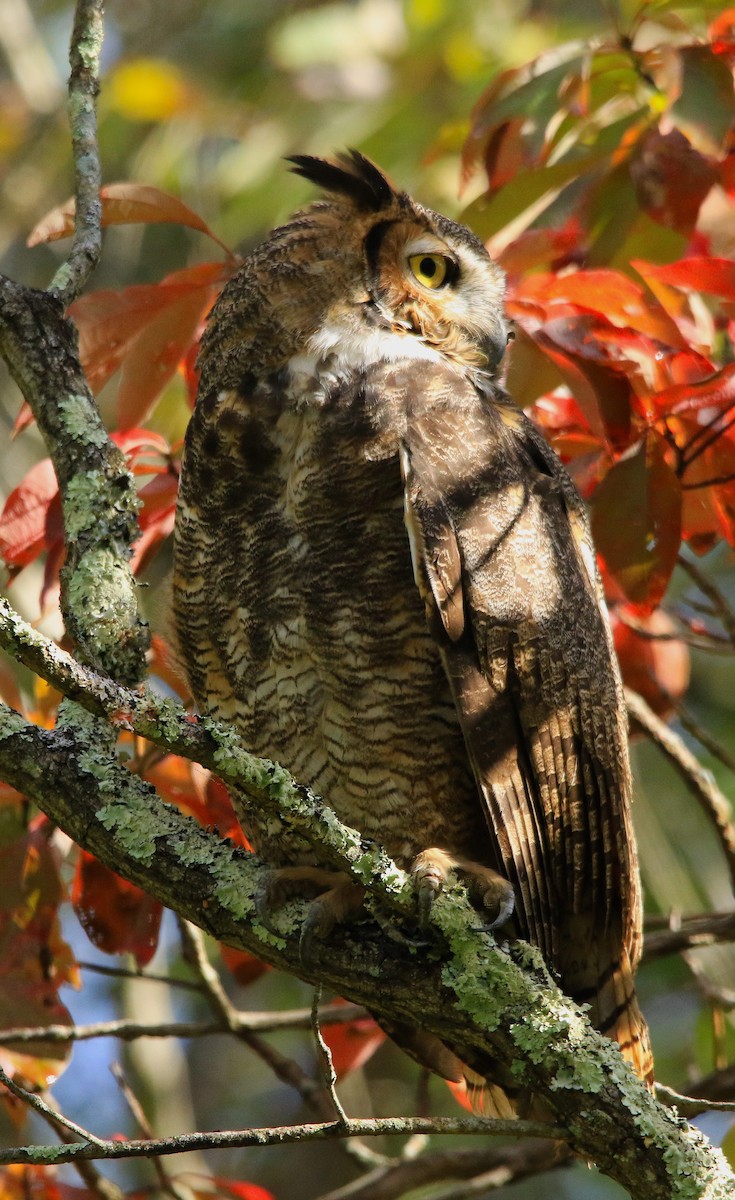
490,1004
699,781
272,1136
129,1031
99,502
84,60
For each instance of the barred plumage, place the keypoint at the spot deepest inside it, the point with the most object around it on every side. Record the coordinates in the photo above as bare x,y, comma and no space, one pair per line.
452,693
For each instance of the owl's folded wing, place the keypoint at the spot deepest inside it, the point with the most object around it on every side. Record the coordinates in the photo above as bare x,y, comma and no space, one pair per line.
503,559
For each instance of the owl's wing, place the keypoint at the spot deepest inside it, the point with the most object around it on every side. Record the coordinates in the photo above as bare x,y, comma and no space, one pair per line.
503,558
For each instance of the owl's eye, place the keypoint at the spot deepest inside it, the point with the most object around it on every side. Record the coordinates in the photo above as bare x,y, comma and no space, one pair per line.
432,270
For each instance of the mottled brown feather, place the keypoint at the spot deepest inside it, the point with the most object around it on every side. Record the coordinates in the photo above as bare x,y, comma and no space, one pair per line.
340,406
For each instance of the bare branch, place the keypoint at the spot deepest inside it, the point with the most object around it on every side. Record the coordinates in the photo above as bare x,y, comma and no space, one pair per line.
276,1135
128,1031
705,738
699,781
97,1183
690,933
38,1105
324,1055
708,588
84,59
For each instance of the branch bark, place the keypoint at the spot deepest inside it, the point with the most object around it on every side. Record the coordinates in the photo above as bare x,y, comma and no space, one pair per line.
487,1002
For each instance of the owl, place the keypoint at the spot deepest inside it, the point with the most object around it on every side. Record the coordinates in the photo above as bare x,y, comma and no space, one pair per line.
385,579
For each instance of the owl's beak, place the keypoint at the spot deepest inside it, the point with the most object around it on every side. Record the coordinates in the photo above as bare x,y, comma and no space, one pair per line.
493,344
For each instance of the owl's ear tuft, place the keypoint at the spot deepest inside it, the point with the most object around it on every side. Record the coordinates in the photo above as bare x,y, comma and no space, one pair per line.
351,175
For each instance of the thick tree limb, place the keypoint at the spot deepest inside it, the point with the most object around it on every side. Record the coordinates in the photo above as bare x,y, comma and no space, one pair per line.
99,502
488,1003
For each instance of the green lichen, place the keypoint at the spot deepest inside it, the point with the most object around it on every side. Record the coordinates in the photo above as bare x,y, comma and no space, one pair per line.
81,505
102,595
11,722
81,420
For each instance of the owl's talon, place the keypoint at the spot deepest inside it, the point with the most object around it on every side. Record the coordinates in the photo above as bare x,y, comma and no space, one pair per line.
486,888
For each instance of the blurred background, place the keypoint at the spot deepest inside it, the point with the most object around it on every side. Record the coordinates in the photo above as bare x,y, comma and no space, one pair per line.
203,98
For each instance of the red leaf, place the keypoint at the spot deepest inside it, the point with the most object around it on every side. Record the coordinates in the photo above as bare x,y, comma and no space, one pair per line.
236,1189
704,396
658,670
700,273
613,295
671,178
602,392
34,959
162,343
116,915
24,419
245,968
636,522
123,204
31,518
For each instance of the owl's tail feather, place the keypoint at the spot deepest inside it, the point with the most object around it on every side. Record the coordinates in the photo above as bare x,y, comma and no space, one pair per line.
615,1012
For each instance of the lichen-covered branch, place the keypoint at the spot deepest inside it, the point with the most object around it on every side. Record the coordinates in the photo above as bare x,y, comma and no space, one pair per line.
84,60
214,745
488,1003
99,594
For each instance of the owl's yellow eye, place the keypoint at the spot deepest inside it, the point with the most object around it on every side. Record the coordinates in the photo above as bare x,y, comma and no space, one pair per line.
432,270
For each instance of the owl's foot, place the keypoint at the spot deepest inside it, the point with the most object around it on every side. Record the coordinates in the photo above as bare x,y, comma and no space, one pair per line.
338,898
433,868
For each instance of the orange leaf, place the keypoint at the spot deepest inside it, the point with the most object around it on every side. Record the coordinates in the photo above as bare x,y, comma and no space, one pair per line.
34,959
116,915
636,522
123,204
146,328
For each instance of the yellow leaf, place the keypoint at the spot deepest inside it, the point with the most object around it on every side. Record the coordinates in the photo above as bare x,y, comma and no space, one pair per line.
147,89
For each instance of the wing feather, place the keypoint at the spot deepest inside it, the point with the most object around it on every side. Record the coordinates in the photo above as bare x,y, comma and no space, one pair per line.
505,564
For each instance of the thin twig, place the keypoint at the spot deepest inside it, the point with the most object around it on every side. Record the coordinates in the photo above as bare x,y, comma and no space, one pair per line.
147,976
690,934
705,738
37,1104
691,1106
284,1068
699,781
324,1058
129,1031
507,1163
94,1180
139,1116
84,59
722,609
195,953
278,1135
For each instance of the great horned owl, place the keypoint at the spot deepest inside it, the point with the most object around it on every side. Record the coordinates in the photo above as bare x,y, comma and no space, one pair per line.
385,578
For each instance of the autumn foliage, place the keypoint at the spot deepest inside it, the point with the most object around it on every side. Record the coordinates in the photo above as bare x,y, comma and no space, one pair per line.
609,173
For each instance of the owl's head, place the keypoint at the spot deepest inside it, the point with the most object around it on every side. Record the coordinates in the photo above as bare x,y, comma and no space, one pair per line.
363,275
413,283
